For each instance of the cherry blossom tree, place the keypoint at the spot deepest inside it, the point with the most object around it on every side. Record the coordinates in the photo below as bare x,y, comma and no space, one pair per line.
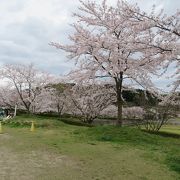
8,97
109,111
26,80
53,98
89,100
128,112
108,44
161,35
60,92
43,102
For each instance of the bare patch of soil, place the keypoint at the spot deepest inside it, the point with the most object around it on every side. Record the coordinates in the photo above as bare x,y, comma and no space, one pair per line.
30,166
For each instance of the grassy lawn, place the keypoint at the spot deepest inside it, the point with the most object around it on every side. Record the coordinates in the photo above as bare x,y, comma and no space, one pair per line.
171,129
60,151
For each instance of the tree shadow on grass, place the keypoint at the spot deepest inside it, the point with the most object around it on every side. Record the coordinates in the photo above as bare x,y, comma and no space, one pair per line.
164,134
174,163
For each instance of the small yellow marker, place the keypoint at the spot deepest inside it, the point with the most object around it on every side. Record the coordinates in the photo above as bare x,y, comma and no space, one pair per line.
1,131
32,127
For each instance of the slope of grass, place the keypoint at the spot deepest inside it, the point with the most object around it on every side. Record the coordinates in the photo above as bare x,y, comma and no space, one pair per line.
61,151
174,129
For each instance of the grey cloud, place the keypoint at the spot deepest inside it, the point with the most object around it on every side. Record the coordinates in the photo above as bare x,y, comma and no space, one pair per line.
13,6
17,6
26,40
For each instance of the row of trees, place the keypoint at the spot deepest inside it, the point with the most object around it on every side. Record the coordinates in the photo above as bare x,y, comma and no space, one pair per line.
121,45
37,92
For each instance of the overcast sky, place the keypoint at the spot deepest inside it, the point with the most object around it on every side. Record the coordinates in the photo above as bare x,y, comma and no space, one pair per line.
27,26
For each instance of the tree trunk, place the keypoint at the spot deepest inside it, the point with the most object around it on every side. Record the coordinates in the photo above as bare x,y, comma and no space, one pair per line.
119,81
119,116
28,109
15,110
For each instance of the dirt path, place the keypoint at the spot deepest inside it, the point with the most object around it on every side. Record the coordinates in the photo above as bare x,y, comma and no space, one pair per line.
30,165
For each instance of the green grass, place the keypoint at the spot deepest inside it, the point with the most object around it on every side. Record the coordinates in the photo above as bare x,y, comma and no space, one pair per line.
171,129
62,151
